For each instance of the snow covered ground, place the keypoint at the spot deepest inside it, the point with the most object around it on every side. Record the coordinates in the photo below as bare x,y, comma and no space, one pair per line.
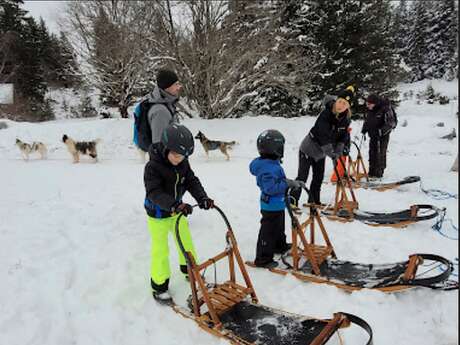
74,263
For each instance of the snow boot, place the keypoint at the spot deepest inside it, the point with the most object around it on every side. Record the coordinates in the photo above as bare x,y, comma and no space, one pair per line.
163,297
269,264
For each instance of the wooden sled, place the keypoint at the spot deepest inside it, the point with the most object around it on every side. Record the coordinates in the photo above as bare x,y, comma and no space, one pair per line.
358,174
313,258
231,310
346,209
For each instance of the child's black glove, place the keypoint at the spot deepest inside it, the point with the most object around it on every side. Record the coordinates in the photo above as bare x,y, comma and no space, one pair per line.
186,209
206,204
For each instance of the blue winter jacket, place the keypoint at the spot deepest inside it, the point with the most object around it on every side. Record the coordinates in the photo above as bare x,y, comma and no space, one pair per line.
271,181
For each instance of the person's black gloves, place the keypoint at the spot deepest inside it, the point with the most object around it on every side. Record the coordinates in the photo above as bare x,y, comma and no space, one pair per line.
184,208
294,184
206,204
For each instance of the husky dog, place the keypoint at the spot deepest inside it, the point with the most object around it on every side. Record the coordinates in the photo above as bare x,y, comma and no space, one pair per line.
210,145
36,146
81,147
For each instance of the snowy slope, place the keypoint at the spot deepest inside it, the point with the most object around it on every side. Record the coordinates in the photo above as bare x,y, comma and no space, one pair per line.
74,263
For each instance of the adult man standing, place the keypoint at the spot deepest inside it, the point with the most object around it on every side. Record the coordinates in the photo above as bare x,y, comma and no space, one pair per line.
163,99
156,111
380,121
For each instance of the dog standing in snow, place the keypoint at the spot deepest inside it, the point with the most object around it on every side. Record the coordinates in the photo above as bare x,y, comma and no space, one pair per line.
27,149
209,145
81,147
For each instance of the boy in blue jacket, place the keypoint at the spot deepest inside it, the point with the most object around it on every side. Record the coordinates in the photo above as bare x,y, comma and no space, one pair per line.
273,183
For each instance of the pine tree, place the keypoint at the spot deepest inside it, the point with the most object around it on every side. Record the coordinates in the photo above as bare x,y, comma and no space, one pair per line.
401,28
442,45
354,44
418,39
30,76
267,64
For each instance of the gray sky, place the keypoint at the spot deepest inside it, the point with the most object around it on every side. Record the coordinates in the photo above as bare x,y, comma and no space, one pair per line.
48,10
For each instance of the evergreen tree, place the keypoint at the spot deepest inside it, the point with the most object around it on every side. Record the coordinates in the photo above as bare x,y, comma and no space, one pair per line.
442,45
30,76
401,29
353,42
269,67
11,15
418,39
25,60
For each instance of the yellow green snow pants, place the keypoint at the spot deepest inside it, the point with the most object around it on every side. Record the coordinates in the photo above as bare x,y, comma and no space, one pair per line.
159,229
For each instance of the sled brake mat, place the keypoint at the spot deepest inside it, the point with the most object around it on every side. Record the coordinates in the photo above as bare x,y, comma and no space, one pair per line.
360,275
261,325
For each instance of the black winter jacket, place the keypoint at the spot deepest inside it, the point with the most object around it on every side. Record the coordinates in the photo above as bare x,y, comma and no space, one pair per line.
374,123
165,184
329,130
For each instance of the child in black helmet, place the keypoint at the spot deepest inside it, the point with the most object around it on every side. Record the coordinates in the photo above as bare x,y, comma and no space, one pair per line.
273,183
167,176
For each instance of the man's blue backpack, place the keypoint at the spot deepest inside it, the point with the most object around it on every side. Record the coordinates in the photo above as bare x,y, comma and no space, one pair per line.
142,131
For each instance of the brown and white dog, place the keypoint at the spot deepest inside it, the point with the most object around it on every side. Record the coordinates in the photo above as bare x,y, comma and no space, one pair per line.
210,145
81,147
27,149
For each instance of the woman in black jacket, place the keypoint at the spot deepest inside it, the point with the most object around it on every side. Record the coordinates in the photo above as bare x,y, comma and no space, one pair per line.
326,138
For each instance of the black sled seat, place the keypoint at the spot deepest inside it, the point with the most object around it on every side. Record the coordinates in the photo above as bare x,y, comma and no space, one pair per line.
232,311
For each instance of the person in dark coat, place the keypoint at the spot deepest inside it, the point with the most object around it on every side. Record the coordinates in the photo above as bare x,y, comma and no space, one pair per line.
327,138
378,129
167,176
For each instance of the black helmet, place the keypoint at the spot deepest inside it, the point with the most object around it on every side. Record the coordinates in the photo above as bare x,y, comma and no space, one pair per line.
179,139
271,142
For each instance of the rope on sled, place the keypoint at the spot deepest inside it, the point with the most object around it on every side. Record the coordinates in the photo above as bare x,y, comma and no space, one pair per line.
438,194
438,226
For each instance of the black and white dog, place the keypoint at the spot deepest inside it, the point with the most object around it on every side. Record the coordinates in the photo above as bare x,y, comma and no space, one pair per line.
26,149
81,147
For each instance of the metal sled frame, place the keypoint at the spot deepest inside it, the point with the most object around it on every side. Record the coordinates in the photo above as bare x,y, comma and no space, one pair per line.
222,299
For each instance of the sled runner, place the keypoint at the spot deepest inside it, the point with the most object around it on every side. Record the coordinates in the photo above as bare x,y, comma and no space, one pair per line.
310,261
231,310
346,209
358,174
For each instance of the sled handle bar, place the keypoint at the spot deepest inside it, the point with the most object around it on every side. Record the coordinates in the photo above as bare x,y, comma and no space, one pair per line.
357,148
363,324
287,201
179,240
